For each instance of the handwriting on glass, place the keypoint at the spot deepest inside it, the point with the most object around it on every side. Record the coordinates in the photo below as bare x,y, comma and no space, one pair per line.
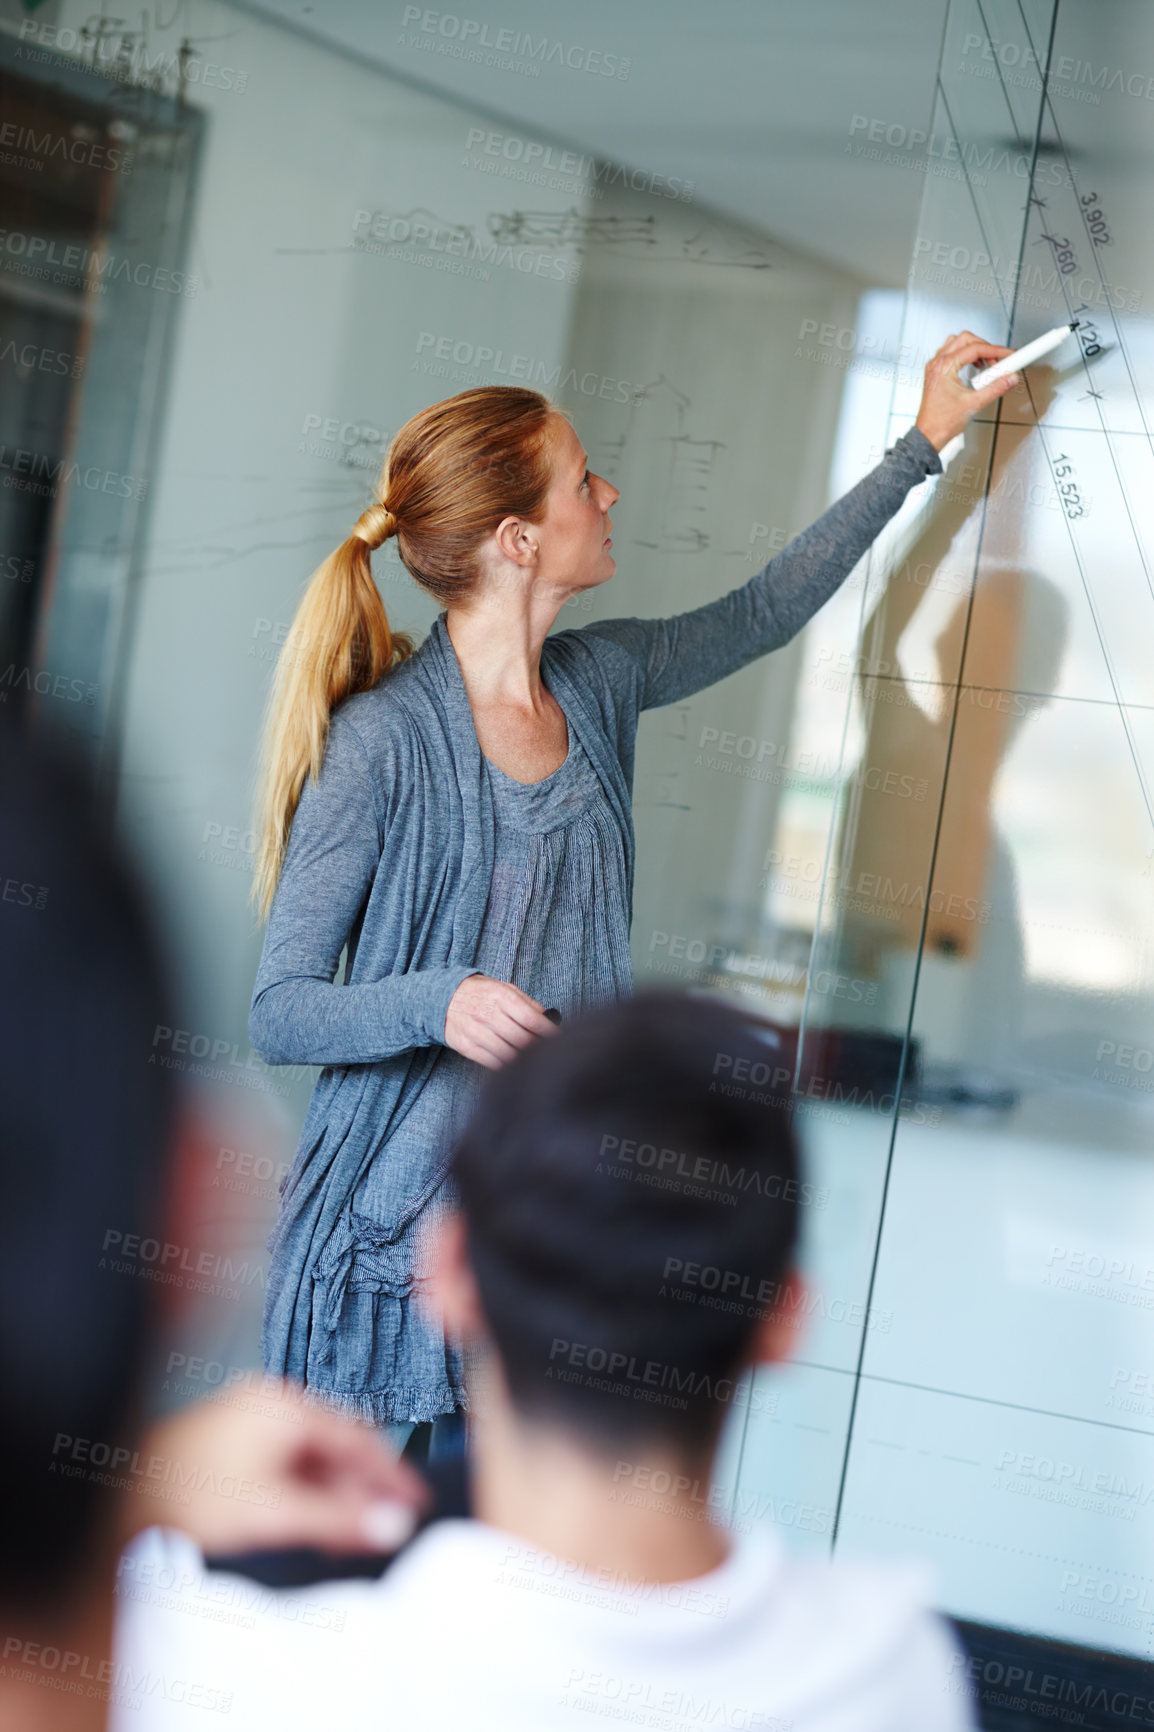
1071,498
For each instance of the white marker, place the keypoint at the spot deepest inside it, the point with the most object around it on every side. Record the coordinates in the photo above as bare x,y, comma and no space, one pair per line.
1023,357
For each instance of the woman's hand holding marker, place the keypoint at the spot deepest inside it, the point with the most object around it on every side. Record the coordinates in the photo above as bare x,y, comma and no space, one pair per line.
947,403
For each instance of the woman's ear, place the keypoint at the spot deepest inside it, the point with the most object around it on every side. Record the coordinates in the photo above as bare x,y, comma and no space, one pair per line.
451,1288
517,540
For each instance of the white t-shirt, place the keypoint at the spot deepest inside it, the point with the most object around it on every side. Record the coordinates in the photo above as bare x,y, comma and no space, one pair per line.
472,1629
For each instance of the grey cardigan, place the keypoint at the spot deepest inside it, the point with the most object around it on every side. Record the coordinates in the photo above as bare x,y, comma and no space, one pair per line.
391,850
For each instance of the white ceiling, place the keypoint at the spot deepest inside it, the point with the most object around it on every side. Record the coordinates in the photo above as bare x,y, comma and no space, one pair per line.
750,99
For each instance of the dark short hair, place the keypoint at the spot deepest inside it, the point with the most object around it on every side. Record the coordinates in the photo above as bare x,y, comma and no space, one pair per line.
630,1212
86,1127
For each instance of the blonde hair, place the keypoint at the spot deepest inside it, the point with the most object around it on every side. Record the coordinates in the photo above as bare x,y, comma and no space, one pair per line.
450,475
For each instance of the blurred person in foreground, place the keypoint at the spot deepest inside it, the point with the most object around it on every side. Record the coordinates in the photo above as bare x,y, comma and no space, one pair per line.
596,1574
89,1132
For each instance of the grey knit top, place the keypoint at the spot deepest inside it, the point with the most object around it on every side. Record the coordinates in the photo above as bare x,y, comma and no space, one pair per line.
432,865
556,925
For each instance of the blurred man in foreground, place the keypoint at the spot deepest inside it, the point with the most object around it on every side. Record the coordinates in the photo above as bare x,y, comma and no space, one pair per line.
612,1324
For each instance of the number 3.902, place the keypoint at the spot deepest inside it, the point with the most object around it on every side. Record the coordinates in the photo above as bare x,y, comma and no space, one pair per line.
1096,220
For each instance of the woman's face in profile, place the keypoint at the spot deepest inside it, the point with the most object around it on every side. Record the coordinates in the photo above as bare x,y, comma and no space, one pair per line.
573,536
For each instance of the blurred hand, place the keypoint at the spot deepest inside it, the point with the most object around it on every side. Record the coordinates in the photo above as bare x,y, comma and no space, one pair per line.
948,404
251,1469
490,1020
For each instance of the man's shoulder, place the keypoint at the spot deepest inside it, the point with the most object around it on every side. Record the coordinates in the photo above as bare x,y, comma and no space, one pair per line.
867,1629
519,1639
876,1596
861,1609
806,1639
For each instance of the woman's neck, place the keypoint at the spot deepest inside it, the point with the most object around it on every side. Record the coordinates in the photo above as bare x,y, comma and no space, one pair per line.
497,641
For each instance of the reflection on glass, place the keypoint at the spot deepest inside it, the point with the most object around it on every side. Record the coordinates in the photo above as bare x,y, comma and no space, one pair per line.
984,879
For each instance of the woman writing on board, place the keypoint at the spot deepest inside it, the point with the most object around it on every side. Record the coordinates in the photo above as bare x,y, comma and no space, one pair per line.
459,815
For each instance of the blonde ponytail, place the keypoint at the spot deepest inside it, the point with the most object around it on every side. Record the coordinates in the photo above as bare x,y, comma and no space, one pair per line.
340,642
452,473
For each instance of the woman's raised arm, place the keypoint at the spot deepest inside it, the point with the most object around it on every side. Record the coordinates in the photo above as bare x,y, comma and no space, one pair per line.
689,651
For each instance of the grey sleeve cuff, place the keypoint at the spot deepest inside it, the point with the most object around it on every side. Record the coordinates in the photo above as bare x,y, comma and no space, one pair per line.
420,1001
916,447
